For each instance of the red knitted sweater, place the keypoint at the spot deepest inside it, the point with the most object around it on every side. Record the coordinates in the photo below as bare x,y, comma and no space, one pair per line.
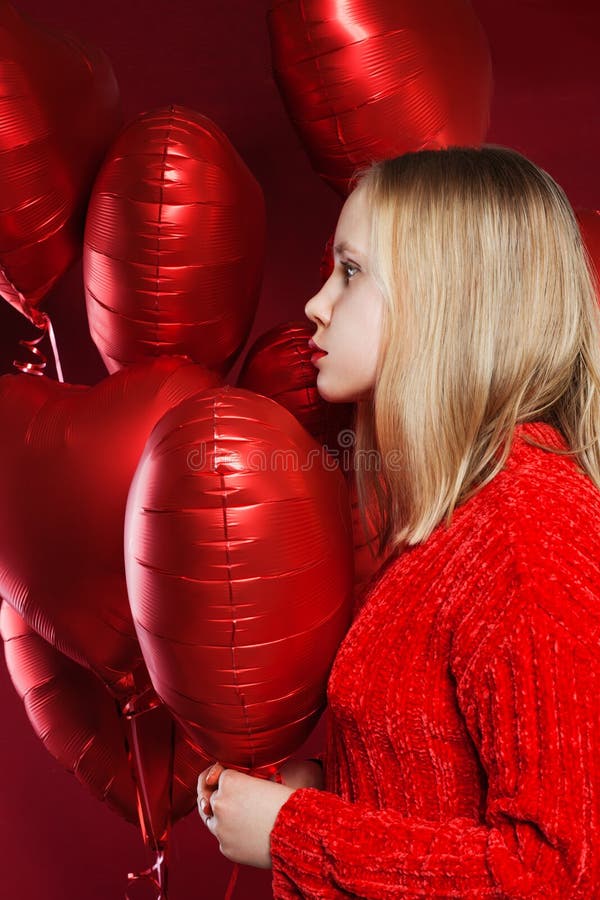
463,737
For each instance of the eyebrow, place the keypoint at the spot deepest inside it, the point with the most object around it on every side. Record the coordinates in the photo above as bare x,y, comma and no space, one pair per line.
344,246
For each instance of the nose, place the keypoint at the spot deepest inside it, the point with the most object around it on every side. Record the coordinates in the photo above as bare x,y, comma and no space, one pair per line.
318,309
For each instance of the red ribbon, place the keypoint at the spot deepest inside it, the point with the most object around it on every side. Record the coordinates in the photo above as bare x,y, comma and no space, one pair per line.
42,322
158,880
155,875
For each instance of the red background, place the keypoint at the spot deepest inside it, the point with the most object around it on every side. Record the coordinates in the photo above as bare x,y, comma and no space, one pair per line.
57,841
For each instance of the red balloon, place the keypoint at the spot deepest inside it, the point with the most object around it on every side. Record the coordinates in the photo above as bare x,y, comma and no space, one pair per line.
67,458
366,80
278,365
589,225
174,244
77,720
59,110
238,554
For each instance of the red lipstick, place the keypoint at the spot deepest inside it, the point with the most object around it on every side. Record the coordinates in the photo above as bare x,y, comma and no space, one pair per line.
318,354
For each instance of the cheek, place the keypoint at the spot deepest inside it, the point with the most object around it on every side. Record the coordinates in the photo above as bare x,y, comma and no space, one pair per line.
371,338
377,328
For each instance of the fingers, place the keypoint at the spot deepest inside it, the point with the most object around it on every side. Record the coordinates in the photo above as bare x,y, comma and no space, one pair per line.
209,778
213,774
208,785
205,808
207,816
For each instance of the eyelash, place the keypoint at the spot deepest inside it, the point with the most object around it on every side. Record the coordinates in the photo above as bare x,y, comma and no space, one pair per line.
348,265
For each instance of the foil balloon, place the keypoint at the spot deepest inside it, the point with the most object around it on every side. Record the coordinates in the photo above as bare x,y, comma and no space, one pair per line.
59,110
278,365
365,80
238,549
78,722
589,225
174,244
67,458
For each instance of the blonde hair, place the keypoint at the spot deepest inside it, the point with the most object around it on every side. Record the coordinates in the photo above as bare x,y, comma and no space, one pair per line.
490,319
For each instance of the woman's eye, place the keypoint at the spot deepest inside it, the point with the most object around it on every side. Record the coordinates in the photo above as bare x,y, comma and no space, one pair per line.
349,270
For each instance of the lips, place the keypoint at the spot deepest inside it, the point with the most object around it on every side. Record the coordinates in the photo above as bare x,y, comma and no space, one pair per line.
315,347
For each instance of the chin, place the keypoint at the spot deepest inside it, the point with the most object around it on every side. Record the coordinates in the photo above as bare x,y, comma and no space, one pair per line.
339,395
327,395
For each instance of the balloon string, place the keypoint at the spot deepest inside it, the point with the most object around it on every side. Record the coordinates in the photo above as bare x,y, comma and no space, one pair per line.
141,702
232,882
31,368
143,800
264,772
44,324
59,372
157,874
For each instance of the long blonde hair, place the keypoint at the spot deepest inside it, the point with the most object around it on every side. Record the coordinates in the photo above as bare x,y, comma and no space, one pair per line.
491,319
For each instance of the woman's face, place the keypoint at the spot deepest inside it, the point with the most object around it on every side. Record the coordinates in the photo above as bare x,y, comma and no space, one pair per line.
348,310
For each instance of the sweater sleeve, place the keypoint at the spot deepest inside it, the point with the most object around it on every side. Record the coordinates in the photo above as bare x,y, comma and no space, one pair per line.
530,705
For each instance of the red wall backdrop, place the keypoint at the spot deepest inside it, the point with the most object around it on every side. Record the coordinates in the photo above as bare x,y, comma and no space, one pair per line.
56,841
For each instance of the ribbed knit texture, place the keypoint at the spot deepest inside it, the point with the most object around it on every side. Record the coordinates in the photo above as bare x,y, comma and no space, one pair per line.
463,736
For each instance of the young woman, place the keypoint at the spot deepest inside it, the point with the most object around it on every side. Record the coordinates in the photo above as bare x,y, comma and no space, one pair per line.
463,742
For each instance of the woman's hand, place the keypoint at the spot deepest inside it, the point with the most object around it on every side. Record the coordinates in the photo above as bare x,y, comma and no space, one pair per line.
301,773
240,810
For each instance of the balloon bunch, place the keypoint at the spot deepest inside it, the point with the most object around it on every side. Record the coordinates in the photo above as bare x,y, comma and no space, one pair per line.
238,572
179,558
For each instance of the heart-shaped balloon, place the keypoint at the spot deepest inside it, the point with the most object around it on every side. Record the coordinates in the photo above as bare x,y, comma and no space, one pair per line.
174,244
67,458
59,110
366,80
238,549
78,722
